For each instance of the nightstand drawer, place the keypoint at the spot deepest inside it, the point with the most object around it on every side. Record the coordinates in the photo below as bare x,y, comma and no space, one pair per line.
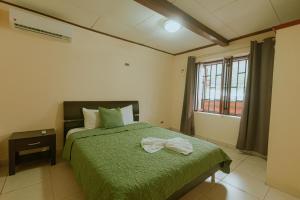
31,143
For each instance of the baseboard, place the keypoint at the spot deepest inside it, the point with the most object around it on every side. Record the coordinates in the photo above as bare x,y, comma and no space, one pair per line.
252,153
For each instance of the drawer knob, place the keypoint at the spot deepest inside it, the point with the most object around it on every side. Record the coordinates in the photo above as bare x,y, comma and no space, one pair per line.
32,144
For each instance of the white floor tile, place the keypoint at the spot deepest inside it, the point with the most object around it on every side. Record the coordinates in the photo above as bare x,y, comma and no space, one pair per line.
257,161
3,176
205,186
220,175
252,169
27,176
44,182
194,196
63,181
75,196
235,163
224,191
40,191
247,183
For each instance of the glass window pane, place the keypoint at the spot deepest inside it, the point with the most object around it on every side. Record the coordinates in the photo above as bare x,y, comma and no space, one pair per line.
242,66
206,93
213,70
234,74
207,82
213,75
207,70
240,94
210,86
235,67
241,79
233,94
218,87
213,82
219,69
212,94
219,81
201,71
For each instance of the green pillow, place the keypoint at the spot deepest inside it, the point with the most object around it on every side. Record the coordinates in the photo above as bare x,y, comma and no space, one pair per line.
110,118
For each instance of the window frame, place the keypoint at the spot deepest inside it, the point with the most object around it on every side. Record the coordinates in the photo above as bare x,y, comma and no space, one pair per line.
238,59
215,62
226,86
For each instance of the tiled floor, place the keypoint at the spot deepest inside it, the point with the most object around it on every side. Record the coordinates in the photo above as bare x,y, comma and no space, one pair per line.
39,181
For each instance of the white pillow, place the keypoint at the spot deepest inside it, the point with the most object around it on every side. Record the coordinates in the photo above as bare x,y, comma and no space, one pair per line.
127,114
91,118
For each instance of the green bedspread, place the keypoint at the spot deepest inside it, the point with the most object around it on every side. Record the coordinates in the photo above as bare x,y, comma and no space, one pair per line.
111,164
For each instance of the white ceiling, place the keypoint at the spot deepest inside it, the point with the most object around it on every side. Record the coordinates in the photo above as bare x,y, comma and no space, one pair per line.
130,20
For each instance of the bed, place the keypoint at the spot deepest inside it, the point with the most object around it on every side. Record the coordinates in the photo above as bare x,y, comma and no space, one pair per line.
110,163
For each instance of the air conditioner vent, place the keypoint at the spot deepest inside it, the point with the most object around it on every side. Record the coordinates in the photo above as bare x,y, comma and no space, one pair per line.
40,31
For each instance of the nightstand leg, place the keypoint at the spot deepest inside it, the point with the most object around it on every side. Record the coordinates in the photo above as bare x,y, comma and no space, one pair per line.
12,158
17,158
53,153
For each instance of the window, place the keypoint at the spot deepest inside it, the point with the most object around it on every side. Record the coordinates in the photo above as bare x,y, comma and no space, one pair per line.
221,86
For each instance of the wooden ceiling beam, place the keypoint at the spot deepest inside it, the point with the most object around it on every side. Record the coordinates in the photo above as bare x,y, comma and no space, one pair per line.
170,11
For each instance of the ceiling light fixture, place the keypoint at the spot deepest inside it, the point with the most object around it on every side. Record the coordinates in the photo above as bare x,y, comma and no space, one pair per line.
172,26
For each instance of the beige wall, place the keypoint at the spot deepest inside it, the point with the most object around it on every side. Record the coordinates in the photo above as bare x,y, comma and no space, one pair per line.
283,168
215,127
37,74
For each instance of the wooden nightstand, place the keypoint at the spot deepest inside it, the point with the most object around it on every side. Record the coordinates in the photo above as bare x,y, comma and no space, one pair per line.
20,141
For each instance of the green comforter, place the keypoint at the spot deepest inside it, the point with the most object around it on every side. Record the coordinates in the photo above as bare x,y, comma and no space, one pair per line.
111,164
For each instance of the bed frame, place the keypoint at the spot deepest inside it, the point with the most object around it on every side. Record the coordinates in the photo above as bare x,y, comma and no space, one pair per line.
73,118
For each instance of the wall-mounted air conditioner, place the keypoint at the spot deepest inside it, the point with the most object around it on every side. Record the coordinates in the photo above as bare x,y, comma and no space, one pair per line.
27,21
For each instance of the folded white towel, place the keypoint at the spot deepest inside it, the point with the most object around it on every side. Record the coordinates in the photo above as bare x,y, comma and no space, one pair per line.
180,145
151,145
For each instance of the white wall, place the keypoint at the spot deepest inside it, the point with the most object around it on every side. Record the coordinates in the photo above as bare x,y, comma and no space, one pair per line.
37,74
283,167
222,129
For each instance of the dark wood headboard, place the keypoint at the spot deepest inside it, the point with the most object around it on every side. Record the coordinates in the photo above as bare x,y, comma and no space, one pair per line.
73,117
